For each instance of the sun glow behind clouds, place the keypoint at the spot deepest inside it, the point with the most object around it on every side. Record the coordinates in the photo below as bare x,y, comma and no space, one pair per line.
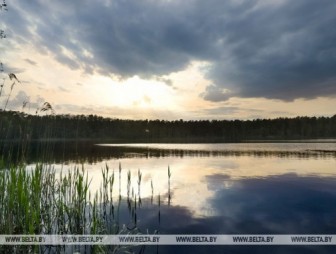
133,92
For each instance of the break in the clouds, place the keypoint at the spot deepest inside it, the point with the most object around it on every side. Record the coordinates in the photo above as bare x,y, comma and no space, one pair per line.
272,49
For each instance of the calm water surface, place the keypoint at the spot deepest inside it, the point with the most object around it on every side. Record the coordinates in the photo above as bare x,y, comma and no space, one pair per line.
254,188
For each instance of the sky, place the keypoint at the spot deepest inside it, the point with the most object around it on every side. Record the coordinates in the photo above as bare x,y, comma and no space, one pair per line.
171,59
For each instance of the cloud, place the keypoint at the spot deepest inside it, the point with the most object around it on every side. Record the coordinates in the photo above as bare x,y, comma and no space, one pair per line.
215,93
283,52
229,110
62,89
31,62
279,50
11,69
164,80
23,100
17,102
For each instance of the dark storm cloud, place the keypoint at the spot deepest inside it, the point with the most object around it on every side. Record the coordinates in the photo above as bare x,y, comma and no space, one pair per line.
283,50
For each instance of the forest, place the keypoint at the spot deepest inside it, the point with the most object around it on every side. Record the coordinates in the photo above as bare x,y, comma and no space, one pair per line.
18,126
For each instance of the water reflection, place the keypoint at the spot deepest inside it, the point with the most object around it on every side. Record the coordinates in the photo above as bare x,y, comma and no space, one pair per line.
282,204
198,178
87,152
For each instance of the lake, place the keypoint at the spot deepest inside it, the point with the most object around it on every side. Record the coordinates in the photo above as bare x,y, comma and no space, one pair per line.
239,188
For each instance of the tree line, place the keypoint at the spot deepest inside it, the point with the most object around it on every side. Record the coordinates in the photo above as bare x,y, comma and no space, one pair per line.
20,126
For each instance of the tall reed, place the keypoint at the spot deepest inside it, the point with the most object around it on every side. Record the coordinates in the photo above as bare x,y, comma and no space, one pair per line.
42,201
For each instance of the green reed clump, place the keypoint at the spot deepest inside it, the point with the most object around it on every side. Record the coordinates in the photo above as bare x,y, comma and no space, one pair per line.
20,209
41,201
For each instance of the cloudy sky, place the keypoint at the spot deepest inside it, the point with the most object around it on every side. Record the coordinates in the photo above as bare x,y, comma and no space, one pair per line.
172,59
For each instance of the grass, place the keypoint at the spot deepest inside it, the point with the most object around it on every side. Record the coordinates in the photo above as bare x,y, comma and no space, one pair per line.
42,201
